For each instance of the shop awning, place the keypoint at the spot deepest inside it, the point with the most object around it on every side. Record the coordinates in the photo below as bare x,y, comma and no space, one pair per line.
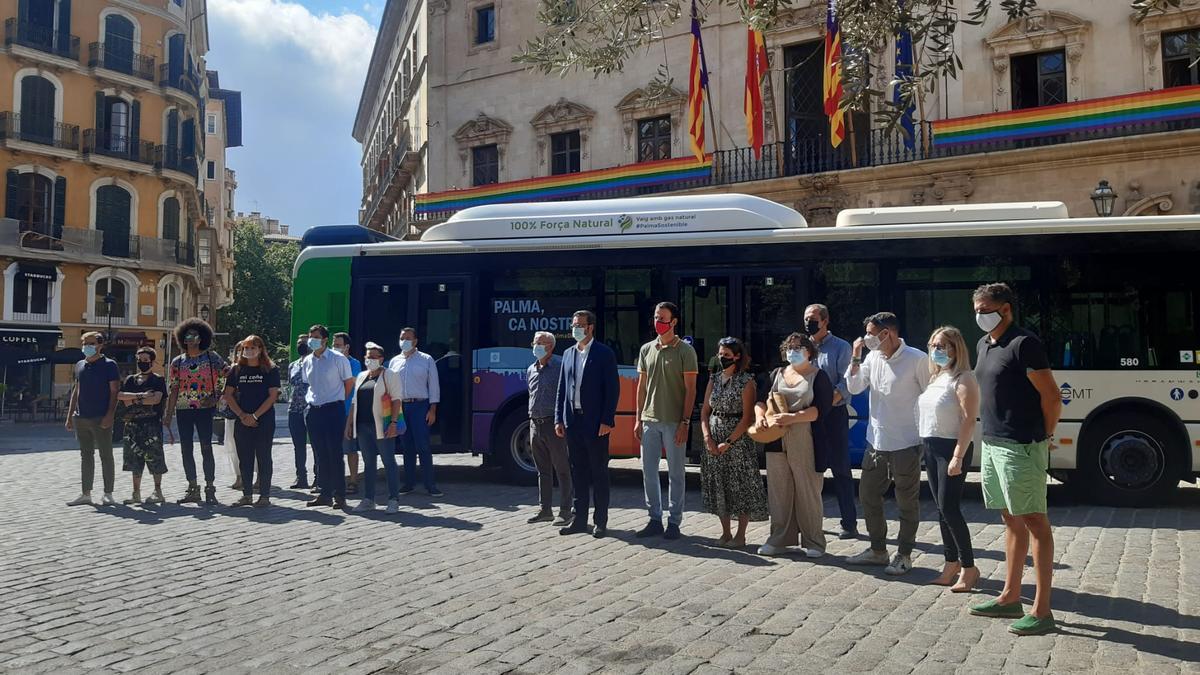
131,338
29,336
36,271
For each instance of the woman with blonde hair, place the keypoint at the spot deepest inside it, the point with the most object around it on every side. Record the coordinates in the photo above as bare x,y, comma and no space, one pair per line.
251,389
946,414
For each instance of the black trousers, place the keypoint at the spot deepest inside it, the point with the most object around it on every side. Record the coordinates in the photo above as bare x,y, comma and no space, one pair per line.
588,456
837,431
254,443
199,421
947,494
326,427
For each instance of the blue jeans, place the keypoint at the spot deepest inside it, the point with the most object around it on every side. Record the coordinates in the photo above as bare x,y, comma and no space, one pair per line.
299,435
655,437
415,442
372,447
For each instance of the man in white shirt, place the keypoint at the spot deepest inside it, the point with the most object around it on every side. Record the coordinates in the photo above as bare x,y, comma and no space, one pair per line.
896,374
418,373
327,374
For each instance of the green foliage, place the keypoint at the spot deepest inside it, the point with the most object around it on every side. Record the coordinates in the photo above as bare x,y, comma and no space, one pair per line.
262,292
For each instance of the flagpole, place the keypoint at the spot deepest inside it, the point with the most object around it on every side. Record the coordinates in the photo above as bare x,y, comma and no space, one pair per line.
920,94
853,141
713,117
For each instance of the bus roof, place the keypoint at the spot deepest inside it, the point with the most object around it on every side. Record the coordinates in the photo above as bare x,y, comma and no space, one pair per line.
628,217
951,213
452,237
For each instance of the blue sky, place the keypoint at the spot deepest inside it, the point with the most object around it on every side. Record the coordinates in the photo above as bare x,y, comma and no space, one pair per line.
300,67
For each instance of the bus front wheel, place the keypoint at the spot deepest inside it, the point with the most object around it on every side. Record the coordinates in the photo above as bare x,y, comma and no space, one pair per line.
515,450
1129,459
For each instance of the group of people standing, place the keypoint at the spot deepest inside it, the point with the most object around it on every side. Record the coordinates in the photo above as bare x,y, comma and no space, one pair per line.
923,409
339,408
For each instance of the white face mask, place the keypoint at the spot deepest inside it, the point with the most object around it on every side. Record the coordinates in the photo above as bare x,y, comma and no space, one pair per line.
374,364
988,322
250,353
406,346
578,333
872,342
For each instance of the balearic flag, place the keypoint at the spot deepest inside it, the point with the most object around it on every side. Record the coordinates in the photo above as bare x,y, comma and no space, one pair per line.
833,76
697,89
752,102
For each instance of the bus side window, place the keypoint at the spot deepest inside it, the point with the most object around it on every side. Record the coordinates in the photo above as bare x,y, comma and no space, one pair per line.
627,308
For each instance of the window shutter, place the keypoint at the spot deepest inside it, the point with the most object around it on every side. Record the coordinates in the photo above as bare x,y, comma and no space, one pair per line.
60,205
23,11
135,123
100,116
64,26
12,189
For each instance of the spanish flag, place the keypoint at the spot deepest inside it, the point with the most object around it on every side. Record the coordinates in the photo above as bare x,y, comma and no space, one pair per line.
752,102
697,89
833,76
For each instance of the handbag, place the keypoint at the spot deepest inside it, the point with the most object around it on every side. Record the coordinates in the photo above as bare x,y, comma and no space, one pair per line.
776,404
223,408
385,401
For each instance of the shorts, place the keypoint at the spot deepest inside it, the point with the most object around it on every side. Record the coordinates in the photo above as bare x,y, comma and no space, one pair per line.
143,447
1014,475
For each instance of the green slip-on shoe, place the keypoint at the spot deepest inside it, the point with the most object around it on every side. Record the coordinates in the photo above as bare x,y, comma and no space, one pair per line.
995,610
1031,625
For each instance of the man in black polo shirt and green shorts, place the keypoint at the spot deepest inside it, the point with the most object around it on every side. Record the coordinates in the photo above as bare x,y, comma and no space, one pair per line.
1019,409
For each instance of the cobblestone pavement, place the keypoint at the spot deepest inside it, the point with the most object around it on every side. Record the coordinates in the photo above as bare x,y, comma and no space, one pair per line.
461,584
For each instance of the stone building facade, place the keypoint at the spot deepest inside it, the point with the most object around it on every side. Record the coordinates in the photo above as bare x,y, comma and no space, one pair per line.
1015,124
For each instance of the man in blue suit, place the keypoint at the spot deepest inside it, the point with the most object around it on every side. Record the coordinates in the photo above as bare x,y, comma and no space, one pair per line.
585,413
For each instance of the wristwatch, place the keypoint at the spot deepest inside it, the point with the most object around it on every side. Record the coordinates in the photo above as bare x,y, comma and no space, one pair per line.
254,416
686,423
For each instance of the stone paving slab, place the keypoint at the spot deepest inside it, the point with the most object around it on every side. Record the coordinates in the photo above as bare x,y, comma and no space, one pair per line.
462,584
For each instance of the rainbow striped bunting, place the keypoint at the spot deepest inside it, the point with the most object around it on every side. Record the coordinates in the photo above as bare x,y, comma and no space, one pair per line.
1082,116
680,169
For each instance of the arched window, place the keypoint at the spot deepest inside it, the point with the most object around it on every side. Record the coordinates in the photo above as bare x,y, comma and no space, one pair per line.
117,116
113,219
37,110
170,304
118,43
170,224
34,206
111,298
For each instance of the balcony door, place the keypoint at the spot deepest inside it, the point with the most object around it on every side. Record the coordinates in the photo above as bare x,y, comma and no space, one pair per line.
112,218
37,23
37,110
118,43
808,148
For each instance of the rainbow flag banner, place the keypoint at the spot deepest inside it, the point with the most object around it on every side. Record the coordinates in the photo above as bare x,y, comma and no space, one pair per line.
680,172
1093,117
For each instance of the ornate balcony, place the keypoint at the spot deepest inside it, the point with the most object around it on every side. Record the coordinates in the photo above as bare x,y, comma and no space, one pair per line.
41,38
118,146
40,129
121,61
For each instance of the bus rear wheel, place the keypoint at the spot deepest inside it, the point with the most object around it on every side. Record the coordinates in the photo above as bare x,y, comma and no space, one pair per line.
1129,459
515,451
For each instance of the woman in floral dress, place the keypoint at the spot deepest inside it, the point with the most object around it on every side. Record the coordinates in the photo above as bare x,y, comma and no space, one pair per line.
730,482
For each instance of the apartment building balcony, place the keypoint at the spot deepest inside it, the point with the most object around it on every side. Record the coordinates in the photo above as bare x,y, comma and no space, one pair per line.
55,243
932,145
117,145
171,158
392,175
121,59
181,81
41,38
38,129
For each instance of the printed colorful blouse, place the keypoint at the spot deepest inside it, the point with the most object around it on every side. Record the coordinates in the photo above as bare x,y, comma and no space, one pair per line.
197,379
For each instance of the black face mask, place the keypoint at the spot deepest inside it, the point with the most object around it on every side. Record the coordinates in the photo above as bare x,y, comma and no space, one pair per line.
812,327
302,349
143,366
725,362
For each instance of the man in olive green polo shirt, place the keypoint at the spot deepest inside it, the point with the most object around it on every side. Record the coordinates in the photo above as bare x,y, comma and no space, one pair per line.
665,395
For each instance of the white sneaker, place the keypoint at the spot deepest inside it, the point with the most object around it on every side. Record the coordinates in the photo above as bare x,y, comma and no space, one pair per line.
900,564
393,506
868,557
812,552
365,505
769,550
108,500
83,498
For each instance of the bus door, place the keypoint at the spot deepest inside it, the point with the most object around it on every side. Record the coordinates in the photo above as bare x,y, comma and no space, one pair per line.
760,307
439,309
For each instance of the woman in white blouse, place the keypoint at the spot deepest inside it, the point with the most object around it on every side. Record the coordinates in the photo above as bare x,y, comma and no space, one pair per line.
946,414
376,418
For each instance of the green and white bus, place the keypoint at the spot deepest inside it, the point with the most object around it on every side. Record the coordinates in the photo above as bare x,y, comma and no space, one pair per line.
1117,301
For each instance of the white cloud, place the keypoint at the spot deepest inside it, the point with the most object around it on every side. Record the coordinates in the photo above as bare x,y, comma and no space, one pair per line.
338,46
300,73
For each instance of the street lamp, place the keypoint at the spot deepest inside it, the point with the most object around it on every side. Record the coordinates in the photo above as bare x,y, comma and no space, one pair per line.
1103,198
204,312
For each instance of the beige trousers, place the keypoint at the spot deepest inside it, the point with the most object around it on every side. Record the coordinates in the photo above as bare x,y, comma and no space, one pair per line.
794,492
